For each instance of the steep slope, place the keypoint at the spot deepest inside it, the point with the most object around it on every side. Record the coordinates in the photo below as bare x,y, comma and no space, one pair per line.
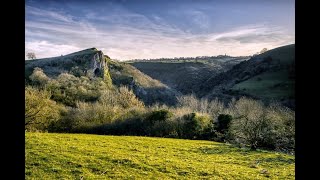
268,76
89,62
93,63
185,77
147,89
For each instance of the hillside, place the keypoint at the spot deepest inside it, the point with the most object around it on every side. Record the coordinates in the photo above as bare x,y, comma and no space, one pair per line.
80,156
186,76
268,76
147,89
89,62
93,63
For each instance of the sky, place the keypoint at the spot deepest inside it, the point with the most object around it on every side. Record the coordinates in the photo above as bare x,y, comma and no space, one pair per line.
144,29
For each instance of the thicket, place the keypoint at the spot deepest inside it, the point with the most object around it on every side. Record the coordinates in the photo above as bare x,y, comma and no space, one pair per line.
80,105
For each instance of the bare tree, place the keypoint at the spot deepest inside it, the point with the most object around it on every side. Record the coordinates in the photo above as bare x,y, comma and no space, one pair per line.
251,124
263,50
31,55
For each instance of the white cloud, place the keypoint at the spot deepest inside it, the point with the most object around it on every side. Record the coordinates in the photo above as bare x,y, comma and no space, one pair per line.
44,49
132,35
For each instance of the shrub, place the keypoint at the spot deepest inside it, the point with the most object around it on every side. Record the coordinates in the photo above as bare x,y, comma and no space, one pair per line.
221,128
191,102
68,89
88,115
38,77
223,122
165,128
158,123
40,111
283,120
250,124
194,125
128,99
159,115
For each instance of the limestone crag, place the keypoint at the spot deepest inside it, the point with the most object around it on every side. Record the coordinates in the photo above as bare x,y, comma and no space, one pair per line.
89,62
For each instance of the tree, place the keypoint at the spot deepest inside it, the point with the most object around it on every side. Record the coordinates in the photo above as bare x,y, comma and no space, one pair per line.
40,111
223,122
263,50
38,77
251,124
31,55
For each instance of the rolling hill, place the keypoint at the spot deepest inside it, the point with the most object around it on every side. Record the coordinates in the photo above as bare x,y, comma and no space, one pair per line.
268,76
186,76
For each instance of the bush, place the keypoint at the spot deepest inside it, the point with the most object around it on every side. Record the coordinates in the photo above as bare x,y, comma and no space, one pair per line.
38,77
194,125
221,128
159,123
194,104
223,122
250,125
283,120
159,115
86,116
40,111
68,89
128,99
165,128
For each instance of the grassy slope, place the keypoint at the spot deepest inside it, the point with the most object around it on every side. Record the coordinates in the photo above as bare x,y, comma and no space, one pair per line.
268,85
272,84
121,70
70,156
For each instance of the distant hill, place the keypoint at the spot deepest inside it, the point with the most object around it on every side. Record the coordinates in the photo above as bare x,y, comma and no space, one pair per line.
186,76
268,76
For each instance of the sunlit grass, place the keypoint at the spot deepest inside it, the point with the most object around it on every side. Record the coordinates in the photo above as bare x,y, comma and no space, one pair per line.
72,156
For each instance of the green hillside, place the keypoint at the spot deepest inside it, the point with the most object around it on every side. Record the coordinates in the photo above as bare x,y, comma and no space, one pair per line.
185,76
268,85
277,82
80,156
268,76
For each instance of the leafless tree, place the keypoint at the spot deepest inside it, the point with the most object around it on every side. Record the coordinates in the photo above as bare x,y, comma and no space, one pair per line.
263,50
31,55
251,123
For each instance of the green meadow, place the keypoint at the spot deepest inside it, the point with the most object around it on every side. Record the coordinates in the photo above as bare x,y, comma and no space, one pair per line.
82,156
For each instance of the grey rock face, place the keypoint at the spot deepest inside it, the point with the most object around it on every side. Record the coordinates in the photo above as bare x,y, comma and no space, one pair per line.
88,62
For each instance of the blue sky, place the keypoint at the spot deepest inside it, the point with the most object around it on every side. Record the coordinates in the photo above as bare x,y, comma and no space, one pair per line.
130,29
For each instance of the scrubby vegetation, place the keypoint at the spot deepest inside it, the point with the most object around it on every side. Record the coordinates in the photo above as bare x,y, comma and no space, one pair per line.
81,105
62,95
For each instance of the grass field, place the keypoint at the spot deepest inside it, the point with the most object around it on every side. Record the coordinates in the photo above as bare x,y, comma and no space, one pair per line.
80,156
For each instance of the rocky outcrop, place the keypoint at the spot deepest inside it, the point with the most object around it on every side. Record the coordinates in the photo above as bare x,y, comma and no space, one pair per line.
89,62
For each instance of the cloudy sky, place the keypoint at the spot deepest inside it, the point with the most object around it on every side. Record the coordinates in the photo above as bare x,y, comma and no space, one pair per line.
130,29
